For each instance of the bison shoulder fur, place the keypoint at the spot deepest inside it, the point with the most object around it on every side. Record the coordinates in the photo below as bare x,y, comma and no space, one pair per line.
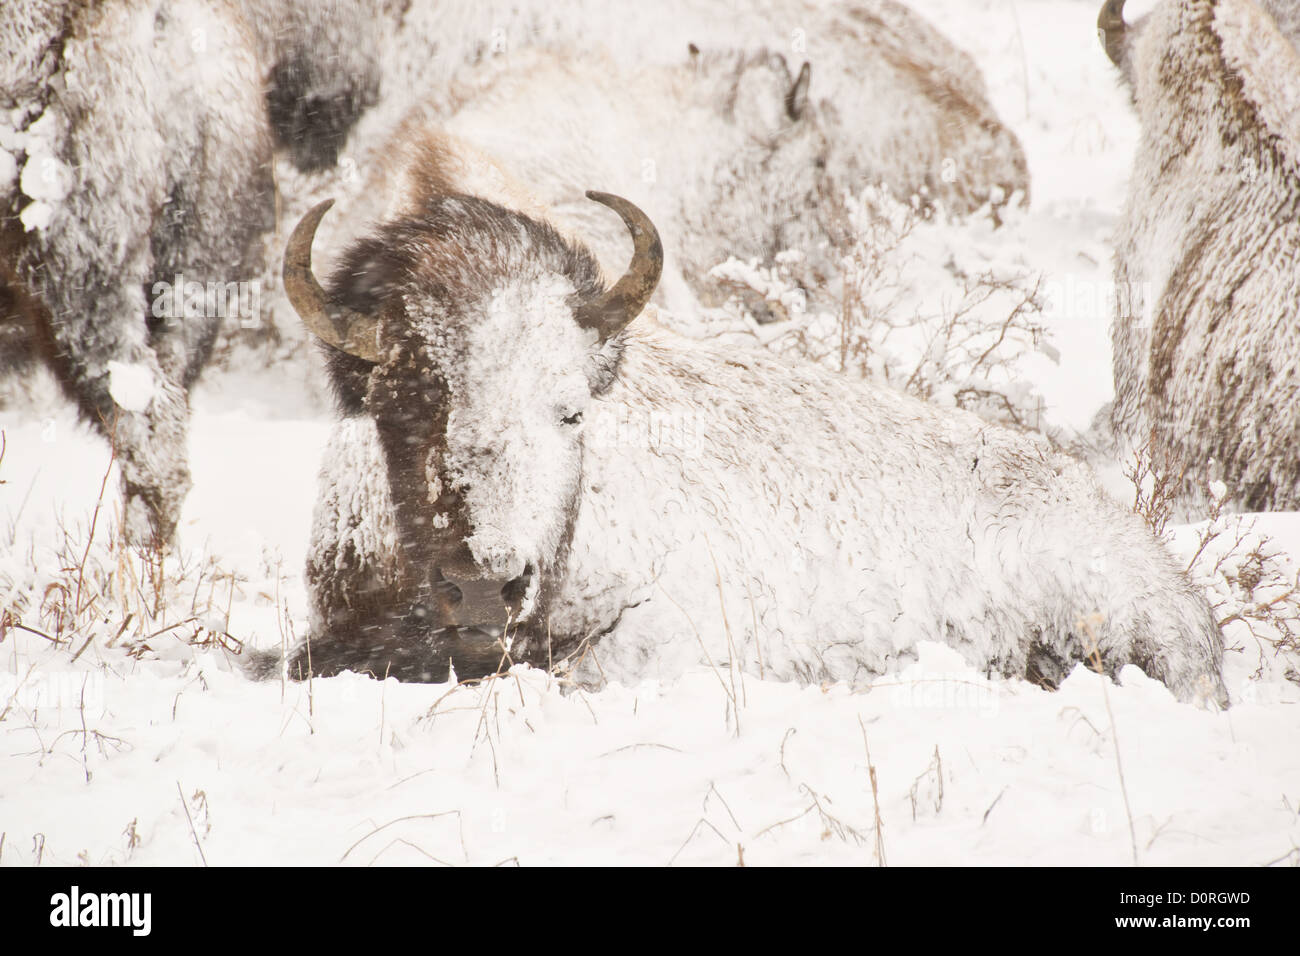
1207,324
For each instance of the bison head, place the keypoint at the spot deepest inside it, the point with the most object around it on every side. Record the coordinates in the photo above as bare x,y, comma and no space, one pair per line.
476,338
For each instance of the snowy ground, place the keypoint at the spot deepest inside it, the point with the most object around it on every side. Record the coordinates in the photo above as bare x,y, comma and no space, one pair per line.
170,755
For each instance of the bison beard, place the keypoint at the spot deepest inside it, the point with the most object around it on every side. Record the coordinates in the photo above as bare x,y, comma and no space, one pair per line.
466,325
324,71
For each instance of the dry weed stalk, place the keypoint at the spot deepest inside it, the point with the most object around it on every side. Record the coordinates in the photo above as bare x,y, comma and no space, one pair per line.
1248,579
93,588
963,351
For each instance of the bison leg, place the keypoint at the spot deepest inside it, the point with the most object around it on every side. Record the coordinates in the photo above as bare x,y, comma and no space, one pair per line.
1124,601
100,350
90,325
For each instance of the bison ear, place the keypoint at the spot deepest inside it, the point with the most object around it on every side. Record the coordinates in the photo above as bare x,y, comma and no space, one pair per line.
765,100
796,98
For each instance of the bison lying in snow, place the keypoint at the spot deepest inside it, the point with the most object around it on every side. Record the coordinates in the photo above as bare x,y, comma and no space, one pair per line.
524,463
901,103
1207,326
721,148
732,152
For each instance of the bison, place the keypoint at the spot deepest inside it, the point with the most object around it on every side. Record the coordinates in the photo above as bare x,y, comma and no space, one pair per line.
1207,322
706,143
529,468
135,181
729,150
722,148
901,103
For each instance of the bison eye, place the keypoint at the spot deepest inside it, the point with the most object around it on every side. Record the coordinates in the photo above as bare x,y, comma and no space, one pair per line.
573,419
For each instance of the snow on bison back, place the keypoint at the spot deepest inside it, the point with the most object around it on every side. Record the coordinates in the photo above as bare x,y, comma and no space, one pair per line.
903,104
523,450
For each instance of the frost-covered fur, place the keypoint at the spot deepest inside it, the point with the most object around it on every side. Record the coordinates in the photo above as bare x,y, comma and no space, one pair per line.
323,70
890,100
674,502
1207,328
721,150
136,148
903,105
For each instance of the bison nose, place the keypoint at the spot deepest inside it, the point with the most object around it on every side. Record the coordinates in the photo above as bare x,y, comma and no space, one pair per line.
516,588
480,602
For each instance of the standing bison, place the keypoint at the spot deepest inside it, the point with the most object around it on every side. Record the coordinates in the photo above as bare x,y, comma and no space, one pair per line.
1207,327
526,461
134,182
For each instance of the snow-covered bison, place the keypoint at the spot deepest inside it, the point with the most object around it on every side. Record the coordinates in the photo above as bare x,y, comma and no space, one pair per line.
721,148
1207,325
527,460
732,151
901,103
134,181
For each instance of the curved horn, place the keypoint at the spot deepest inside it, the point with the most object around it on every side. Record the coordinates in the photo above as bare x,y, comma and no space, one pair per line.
342,328
1112,30
623,302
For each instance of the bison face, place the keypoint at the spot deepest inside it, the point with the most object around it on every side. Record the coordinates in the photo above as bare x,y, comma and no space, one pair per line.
762,183
515,373
483,336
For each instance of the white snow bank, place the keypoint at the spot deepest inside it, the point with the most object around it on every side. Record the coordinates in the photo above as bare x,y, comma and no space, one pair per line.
353,770
350,770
